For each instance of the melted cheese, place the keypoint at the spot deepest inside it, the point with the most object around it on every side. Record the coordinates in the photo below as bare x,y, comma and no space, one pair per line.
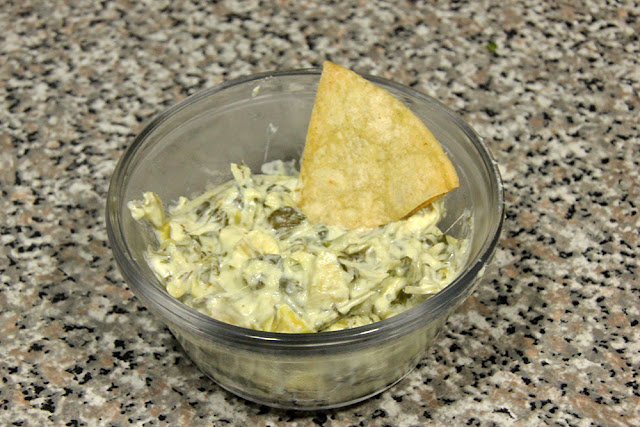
244,254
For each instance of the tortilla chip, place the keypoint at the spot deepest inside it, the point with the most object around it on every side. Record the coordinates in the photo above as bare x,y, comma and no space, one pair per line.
368,160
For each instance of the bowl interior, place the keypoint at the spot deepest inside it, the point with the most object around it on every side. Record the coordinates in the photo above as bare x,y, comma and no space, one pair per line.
262,118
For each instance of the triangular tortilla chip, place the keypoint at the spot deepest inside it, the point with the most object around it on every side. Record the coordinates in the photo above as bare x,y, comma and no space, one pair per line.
368,160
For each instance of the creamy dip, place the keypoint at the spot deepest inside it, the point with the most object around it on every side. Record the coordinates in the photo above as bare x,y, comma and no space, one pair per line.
244,254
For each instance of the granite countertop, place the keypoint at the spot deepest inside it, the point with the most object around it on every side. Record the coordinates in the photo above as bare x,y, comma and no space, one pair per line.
550,337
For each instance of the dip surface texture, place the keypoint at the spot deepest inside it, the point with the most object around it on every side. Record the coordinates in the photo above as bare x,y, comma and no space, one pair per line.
244,254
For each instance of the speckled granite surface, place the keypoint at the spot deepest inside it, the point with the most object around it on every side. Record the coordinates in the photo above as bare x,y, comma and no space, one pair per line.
550,338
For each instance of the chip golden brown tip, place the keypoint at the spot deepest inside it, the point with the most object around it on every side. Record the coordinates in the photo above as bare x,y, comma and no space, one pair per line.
368,160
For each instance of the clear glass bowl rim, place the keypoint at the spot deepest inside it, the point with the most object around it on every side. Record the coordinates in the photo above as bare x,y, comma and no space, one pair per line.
192,321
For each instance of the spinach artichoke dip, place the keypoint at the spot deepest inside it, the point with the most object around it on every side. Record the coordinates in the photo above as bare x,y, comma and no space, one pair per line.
244,254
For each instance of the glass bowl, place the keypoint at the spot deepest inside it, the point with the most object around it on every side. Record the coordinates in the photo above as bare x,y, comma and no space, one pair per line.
258,119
